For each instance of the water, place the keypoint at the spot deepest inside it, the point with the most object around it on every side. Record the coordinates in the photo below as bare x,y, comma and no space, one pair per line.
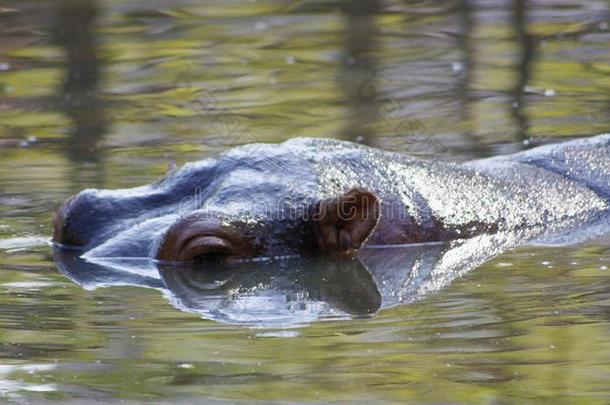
113,94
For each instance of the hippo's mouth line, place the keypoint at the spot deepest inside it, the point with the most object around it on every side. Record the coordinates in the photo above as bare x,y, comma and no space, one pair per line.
66,246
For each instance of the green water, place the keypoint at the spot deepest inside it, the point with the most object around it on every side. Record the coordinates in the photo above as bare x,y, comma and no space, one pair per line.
112,94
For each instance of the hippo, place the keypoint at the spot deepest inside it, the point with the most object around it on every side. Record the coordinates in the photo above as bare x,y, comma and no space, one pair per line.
297,291
309,195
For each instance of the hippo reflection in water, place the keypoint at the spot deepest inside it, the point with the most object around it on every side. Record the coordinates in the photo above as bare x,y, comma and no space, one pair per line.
309,196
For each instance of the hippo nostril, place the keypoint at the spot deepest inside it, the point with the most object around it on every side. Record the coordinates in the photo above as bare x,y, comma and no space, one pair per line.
60,233
74,220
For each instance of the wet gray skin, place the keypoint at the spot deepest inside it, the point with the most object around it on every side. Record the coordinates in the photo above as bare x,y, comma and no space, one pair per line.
266,193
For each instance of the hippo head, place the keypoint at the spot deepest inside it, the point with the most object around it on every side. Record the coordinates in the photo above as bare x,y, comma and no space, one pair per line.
253,201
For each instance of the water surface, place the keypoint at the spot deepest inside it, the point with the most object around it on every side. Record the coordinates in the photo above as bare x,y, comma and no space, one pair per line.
112,94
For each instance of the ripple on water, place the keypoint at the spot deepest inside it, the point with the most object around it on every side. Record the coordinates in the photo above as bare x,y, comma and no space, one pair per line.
179,81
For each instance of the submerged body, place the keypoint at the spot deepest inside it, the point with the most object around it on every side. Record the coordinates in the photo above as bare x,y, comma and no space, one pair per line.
307,195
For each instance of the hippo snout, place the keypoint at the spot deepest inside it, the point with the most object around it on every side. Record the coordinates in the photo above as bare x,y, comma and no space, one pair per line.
75,219
61,234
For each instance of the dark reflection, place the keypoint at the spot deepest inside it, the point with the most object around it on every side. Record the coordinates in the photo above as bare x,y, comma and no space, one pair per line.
527,46
359,68
93,275
291,291
286,293
78,94
465,71
466,67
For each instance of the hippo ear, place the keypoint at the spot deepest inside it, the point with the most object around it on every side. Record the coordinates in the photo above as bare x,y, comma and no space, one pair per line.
343,223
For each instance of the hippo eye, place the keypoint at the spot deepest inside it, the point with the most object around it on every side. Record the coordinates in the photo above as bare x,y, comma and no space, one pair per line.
198,239
208,248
